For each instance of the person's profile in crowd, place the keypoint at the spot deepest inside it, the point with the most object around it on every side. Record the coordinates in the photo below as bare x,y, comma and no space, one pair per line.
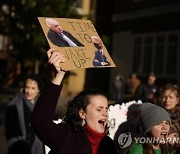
60,37
99,59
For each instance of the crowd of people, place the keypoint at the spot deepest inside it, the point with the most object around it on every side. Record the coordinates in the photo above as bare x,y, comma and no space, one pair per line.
84,129
166,97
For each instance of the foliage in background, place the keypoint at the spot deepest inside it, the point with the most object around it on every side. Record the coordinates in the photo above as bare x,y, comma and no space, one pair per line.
18,19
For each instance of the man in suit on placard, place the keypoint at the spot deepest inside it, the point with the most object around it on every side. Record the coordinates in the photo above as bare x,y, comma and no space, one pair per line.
99,59
60,37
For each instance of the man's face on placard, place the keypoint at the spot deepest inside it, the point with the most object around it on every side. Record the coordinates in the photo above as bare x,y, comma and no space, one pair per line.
97,42
56,27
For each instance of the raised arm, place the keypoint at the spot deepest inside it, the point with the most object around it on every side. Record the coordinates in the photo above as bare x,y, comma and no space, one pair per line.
56,58
50,133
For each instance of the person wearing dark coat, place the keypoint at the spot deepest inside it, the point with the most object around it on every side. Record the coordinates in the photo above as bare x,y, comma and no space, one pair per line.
84,128
60,37
20,135
147,91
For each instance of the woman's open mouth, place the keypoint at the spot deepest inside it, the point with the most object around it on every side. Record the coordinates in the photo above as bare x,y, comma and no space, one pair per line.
164,134
102,122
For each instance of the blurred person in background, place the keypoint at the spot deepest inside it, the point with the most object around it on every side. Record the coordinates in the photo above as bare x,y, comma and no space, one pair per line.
131,85
147,91
20,136
169,99
118,87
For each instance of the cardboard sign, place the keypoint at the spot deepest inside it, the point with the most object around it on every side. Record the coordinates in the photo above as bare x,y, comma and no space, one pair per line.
78,41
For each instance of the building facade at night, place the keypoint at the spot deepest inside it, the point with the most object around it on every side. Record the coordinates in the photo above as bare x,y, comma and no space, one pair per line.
146,37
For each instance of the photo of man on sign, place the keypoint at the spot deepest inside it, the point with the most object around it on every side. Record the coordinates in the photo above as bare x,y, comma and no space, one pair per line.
60,37
78,41
99,59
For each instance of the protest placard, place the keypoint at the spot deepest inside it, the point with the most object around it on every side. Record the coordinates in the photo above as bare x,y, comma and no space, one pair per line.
78,41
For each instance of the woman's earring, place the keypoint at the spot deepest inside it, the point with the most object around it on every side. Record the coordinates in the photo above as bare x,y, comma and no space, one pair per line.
83,122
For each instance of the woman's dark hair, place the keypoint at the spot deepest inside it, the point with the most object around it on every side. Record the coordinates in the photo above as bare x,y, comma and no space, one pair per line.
34,77
148,148
80,102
